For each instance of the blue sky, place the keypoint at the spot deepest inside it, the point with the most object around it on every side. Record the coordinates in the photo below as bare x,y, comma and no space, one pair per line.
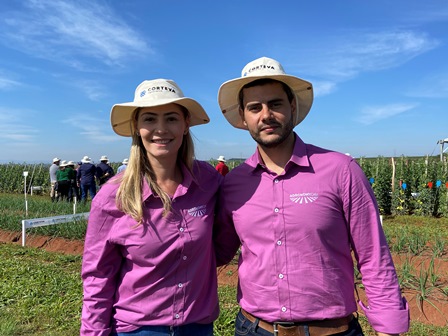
379,71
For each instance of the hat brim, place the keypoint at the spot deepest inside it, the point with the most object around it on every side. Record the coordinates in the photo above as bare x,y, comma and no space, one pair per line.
229,91
121,114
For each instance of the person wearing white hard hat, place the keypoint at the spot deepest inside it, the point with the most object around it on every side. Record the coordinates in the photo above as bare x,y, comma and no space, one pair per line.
148,263
63,176
86,178
123,166
298,211
53,179
221,167
104,171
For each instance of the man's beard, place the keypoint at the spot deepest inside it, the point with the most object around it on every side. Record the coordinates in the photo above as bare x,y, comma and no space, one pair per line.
286,132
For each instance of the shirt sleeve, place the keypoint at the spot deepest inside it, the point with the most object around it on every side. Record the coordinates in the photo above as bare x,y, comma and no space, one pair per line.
100,266
225,239
387,311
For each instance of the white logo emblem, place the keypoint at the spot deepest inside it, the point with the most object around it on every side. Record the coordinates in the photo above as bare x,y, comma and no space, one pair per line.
304,197
198,211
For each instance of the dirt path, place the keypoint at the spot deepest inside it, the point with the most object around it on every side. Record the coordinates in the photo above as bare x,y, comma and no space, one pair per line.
424,312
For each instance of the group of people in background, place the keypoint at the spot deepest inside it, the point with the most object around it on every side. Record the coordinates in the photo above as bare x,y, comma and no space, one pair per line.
70,180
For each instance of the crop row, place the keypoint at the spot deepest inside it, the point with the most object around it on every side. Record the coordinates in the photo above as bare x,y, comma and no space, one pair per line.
403,186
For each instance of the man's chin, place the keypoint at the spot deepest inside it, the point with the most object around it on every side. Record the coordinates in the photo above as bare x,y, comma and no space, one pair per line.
270,141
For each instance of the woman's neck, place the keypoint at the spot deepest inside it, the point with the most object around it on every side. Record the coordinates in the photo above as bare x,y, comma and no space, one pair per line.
168,176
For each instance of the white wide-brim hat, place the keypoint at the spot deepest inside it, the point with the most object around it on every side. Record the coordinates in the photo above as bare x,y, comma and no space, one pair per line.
104,158
156,92
260,68
125,161
56,159
63,164
221,158
86,159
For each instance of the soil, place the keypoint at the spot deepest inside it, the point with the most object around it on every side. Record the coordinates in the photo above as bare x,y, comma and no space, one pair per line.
433,311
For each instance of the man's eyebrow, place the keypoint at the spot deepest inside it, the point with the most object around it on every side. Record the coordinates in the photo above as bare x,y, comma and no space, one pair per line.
275,100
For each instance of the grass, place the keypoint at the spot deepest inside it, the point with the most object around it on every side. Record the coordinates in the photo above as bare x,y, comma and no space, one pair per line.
40,292
41,295
12,212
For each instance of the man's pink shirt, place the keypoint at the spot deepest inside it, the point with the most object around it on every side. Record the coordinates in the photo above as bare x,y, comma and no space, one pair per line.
297,231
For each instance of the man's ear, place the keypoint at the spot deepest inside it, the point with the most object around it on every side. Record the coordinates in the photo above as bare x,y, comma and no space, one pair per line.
294,112
242,116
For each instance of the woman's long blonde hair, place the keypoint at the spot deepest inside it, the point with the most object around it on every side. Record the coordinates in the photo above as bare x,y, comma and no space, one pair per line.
129,194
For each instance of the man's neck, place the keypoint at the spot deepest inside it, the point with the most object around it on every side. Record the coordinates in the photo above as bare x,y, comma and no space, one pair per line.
276,158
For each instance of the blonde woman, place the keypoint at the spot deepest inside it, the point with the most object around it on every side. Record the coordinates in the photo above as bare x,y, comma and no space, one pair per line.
148,265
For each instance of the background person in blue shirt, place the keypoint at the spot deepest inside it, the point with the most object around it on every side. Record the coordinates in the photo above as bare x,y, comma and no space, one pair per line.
86,178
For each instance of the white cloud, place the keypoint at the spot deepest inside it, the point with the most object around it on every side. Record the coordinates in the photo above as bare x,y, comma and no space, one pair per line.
435,86
347,56
6,83
92,89
69,32
372,114
94,129
13,126
322,88
379,51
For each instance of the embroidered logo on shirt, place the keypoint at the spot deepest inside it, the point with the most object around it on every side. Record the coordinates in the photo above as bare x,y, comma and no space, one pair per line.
198,211
304,197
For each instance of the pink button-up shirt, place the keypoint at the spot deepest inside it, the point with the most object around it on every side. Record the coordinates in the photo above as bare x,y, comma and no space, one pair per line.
297,230
162,272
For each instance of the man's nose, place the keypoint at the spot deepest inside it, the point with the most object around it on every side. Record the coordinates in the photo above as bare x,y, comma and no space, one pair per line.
266,112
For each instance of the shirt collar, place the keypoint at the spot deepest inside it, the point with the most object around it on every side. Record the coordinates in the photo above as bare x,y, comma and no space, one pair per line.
184,185
299,156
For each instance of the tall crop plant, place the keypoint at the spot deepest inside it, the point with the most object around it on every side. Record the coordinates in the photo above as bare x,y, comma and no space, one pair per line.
13,181
379,173
417,187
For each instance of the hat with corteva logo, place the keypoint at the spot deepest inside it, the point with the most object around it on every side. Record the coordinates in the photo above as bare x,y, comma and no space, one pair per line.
260,68
156,92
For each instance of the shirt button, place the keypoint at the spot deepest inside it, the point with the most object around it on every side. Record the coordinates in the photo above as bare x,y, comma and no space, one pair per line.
181,229
184,257
283,309
177,316
276,210
281,276
279,242
275,181
180,285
